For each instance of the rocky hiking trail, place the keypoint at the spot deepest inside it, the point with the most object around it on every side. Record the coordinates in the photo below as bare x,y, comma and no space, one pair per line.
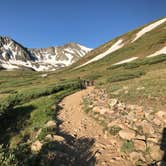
76,122
108,132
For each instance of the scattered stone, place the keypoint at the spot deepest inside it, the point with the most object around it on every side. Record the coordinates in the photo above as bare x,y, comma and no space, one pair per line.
140,137
54,138
53,107
104,111
96,109
135,156
113,103
38,133
161,114
149,116
58,138
155,140
121,106
140,88
127,134
155,152
36,146
140,145
51,124
157,121
147,127
48,137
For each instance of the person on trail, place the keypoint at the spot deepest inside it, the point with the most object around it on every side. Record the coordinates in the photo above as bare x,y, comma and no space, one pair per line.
92,82
81,83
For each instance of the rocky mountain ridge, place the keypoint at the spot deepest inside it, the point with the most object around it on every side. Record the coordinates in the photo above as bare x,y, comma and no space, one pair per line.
14,56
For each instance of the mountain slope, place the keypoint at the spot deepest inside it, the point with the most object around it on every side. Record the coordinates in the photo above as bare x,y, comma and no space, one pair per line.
13,55
141,42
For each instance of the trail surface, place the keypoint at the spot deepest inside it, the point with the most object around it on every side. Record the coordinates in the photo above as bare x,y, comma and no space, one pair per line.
79,124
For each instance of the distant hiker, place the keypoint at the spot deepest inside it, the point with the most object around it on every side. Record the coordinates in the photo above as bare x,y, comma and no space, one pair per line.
88,83
81,83
84,84
92,83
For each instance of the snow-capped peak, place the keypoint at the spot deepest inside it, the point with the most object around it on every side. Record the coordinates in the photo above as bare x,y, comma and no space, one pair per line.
13,55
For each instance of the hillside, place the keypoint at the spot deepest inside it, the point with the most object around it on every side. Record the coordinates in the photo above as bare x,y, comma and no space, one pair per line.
127,100
139,43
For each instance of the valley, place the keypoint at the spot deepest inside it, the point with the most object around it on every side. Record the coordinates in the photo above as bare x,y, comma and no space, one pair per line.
48,119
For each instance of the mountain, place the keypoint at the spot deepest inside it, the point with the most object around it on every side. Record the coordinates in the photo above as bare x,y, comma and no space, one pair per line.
146,41
14,56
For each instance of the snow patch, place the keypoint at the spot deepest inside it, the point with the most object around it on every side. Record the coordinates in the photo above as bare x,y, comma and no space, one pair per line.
148,28
85,48
9,66
161,51
126,61
119,44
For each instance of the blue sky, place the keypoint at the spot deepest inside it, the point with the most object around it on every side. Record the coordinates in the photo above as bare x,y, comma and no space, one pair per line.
43,23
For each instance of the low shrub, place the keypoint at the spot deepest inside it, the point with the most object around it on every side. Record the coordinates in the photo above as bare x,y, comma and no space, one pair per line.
21,97
94,76
140,62
86,103
114,130
18,156
125,76
131,65
128,146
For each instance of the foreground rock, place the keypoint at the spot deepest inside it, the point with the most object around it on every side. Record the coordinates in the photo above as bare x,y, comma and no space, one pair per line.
127,134
54,138
50,124
36,146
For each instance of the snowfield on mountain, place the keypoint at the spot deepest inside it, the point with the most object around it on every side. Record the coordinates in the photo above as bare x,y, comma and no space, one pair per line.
161,51
15,56
119,44
148,28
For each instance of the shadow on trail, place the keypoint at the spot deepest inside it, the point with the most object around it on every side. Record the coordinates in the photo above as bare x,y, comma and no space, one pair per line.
71,152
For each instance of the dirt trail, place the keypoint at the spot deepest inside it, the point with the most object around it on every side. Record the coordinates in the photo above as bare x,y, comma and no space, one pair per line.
79,124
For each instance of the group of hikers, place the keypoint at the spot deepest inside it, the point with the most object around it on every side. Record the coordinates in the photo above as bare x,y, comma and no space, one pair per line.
85,83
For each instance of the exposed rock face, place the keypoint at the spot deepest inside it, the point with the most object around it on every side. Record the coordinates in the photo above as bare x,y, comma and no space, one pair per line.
13,56
140,131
